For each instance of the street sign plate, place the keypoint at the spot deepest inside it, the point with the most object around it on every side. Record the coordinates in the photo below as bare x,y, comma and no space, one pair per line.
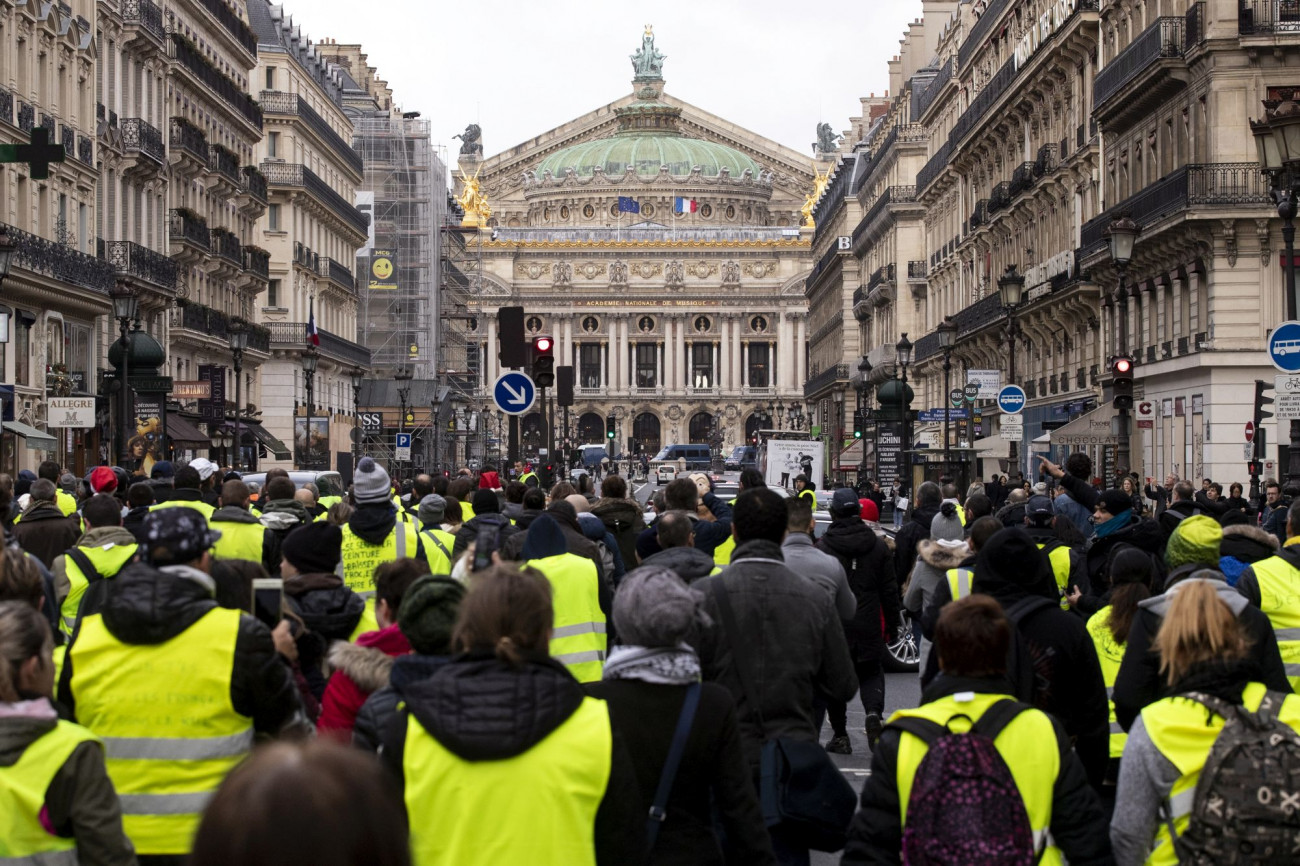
1011,399
1012,427
988,382
1145,412
1250,431
1248,452
1287,397
514,392
929,416
1284,347
971,392
403,449
956,397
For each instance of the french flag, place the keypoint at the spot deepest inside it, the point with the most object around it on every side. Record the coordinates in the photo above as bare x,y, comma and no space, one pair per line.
686,205
313,336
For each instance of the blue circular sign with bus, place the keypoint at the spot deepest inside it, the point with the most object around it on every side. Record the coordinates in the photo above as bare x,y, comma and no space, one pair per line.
1011,399
1284,347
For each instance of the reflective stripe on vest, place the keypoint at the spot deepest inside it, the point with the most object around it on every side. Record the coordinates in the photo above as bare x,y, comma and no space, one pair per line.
437,550
1110,653
198,505
810,496
1028,745
242,541
107,559
23,837
551,793
165,715
722,553
1059,556
578,638
959,582
1279,585
1179,730
360,558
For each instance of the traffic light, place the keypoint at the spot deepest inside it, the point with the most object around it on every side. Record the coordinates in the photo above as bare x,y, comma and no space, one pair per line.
1260,402
857,424
1121,371
544,361
609,427
1254,468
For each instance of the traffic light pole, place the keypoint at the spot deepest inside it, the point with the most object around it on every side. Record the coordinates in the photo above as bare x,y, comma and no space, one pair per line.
1122,438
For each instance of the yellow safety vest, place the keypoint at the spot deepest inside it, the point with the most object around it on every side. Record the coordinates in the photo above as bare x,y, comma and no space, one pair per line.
328,502
810,496
360,558
107,559
438,547
1178,728
1110,653
66,501
1060,559
960,581
578,638
369,621
23,838
197,504
1279,585
1028,745
165,716
551,793
239,540
722,553
523,479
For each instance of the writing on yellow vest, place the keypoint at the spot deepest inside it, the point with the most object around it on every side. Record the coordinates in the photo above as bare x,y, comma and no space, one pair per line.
1279,587
23,837
167,755
1110,653
239,540
360,557
551,793
107,560
578,638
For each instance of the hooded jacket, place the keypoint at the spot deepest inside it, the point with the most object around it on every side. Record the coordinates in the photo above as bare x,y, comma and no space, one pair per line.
625,521
270,539
329,611
689,563
611,558
284,515
482,709
80,802
1140,682
574,542
44,532
469,530
933,559
99,537
148,605
865,558
377,713
1243,545
133,522
1142,533
1078,825
359,669
914,531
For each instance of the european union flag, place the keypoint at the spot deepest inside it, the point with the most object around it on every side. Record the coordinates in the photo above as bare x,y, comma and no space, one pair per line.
628,205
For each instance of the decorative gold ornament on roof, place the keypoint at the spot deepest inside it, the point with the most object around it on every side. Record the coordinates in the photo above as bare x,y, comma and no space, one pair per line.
820,180
474,203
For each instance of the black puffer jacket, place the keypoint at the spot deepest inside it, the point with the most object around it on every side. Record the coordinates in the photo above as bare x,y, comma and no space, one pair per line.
330,611
1143,533
914,531
469,531
377,713
624,520
482,709
148,606
868,563
689,563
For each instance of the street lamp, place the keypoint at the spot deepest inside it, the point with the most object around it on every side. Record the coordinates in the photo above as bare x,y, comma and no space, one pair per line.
1011,288
403,378
126,308
947,338
903,358
358,376
1121,235
309,361
1277,138
861,385
7,250
238,343
435,403
221,438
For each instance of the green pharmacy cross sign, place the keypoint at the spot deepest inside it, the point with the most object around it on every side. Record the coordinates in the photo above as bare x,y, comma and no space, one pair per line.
38,155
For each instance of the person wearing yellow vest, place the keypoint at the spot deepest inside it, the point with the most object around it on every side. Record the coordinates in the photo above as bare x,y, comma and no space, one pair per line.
486,513
1208,668
52,472
328,609
186,493
57,805
173,685
1273,586
503,730
956,581
438,543
99,555
1067,563
941,558
373,534
243,536
805,487
749,479
43,530
1065,817
580,600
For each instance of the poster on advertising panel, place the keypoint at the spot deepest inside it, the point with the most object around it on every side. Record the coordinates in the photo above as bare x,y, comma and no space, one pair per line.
383,269
311,452
145,446
786,459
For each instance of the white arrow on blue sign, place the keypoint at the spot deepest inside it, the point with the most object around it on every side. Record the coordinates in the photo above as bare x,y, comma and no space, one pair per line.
1284,347
514,392
1011,399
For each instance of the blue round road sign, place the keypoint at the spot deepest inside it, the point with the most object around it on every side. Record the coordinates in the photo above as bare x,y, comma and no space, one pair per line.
1284,347
1011,399
514,392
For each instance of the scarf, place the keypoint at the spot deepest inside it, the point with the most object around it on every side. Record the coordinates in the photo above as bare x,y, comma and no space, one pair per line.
1115,524
668,666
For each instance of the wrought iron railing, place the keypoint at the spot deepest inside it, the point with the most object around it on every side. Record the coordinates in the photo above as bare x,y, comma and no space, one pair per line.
216,324
233,24
26,117
979,30
1268,16
984,101
859,295
224,163
1162,39
187,136
1045,161
1022,178
128,257
1227,183
6,106
147,14
255,183
277,102
882,274
891,195
60,261
68,138
138,134
335,271
294,334
933,167
932,90
292,174
980,215
826,377
1000,197
85,149
916,270
189,226
192,59
257,261
225,243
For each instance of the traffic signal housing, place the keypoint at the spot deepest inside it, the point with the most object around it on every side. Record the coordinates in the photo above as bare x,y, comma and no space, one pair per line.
1121,371
543,353
857,424
1260,402
609,428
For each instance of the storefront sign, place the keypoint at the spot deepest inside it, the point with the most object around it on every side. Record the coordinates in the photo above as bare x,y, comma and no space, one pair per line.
889,453
199,389
1042,29
70,412
1037,276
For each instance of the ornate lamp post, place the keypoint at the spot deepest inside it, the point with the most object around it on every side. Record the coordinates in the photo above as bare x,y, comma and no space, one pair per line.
947,339
903,358
861,385
403,378
221,439
358,376
126,308
435,404
1120,235
1011,288
7,250
309,361
238,343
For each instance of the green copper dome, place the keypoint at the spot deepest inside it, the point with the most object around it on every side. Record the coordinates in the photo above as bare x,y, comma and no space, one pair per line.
646,152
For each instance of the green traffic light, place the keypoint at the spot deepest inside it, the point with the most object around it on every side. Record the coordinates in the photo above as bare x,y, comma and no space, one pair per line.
857,434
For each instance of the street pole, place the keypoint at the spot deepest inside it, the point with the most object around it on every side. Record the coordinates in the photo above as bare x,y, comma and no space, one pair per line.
1122,444
1013,330
947,410
239,382
124,414
1287,210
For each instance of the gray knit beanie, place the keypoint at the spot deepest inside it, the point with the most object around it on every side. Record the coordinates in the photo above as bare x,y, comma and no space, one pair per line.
655,608
370,483
432,509
946,525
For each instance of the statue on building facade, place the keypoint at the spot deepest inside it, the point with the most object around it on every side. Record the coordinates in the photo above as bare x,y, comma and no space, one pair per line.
820,181
674,274
471,141
828,140
647,63
618,273
474,203
563,273
730,273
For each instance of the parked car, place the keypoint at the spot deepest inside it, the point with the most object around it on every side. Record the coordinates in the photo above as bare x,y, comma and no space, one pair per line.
697,456
328,483
742,457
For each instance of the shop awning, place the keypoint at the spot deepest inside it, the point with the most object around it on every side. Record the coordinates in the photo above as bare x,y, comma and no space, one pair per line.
182,432
1090,428
992,447
273,445
37,440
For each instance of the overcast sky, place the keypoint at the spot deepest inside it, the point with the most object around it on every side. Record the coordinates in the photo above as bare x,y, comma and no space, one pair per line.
520,68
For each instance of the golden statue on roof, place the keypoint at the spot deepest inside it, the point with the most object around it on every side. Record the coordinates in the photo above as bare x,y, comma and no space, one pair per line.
473,202
820,180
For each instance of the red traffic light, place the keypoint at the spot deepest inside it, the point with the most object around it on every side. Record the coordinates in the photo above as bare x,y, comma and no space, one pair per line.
1123,365
543,344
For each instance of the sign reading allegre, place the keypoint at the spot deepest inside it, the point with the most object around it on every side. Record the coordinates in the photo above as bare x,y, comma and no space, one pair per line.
70,412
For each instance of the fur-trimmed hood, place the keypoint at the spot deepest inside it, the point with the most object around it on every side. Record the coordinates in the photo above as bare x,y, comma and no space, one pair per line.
369,667
1247,543
943,555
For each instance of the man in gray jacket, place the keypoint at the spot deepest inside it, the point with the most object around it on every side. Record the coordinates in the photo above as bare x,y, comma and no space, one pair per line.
786,633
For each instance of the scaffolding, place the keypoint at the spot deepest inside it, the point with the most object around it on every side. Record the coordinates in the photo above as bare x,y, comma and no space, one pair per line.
399,321
460,358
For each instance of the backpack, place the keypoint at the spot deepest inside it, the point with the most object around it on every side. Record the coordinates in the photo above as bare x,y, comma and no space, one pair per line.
1022,673
965,806
1254,768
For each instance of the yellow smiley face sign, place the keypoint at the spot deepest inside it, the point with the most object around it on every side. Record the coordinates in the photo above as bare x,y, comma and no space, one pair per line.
381,270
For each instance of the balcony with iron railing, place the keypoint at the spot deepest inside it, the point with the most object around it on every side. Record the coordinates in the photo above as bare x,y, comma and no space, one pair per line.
133,260
257,262
189,146
1265,17
146,15
294,175
891,196
932,90
255,183
189,227
916,270
883,274
60,261
223,169
336,272
293,335
276,102
1162,45
999,197
232,23
26,116
1045,161
142,136
6,106
225,244
825,379
210,324
191,59
980,215
1022,178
